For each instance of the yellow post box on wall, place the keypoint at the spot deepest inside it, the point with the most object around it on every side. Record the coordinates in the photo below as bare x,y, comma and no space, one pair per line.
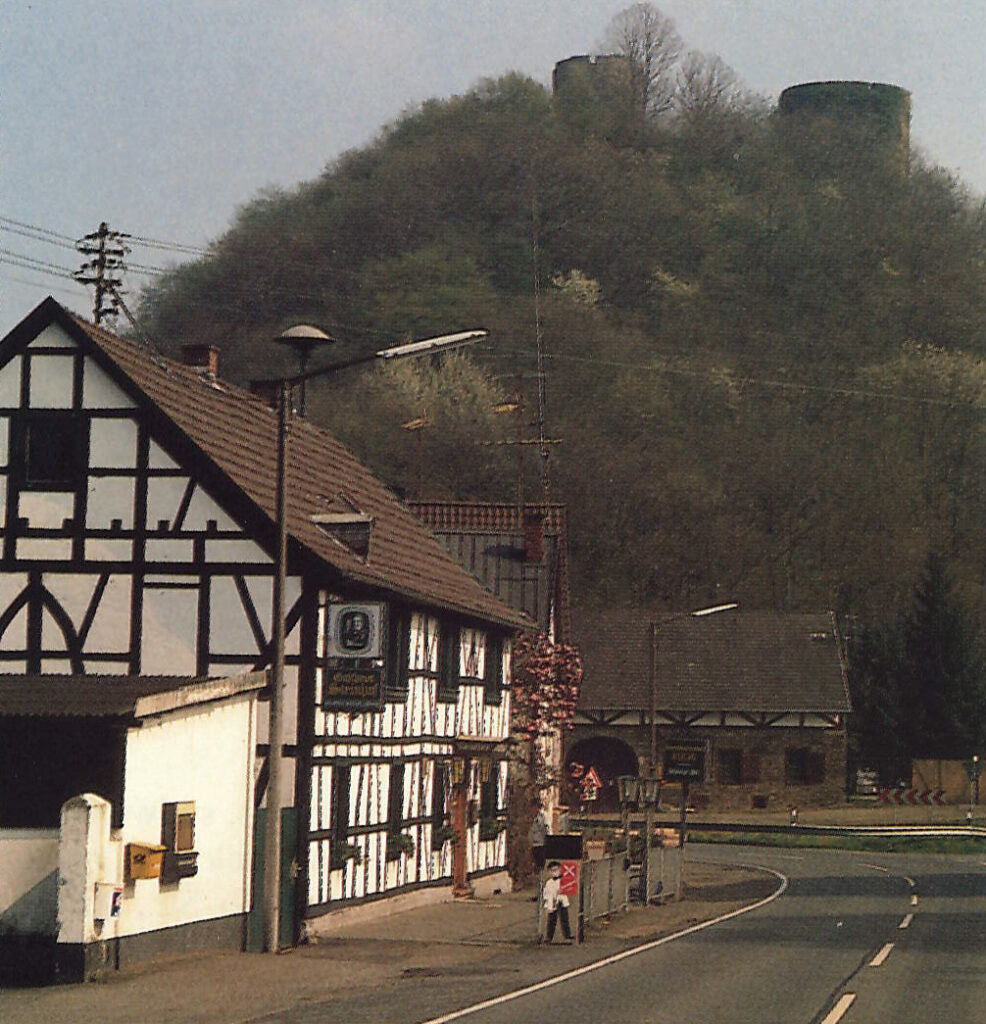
144,860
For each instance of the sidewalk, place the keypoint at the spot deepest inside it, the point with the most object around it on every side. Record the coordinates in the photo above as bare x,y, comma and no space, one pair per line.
493,938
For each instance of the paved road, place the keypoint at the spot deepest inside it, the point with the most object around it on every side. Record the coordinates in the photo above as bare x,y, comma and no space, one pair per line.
798,958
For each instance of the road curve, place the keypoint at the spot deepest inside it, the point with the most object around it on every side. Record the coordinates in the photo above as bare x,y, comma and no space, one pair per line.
830,950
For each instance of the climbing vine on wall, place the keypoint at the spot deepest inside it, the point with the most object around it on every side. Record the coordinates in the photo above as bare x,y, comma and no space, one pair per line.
545,686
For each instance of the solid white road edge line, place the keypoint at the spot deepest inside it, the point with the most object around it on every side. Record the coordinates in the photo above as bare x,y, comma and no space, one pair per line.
906,922
877,961
616,957
835,1014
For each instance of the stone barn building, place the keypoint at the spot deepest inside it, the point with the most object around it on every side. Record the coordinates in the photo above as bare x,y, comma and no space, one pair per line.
767,692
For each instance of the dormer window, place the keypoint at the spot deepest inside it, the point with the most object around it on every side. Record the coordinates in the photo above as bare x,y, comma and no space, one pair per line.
351,529
51,448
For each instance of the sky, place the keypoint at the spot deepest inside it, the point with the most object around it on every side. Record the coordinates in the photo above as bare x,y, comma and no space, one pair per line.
163,118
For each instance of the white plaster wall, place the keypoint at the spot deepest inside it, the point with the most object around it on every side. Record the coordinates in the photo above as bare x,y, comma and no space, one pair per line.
28,857
203,754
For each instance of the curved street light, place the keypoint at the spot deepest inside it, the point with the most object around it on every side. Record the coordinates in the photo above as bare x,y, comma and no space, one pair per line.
272,832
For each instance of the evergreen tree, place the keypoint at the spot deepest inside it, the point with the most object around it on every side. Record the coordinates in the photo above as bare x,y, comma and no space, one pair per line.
941,681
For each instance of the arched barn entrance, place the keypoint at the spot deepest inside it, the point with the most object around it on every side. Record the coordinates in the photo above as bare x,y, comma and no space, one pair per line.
610,758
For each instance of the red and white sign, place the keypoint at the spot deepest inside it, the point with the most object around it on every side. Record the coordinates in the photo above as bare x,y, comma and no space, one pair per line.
913,797
591,784
569,878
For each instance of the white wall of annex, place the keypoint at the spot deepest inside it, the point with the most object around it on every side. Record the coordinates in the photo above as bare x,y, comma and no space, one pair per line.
204,754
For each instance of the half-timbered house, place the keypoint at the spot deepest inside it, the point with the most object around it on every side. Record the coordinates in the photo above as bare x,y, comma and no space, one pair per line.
766,692
137,539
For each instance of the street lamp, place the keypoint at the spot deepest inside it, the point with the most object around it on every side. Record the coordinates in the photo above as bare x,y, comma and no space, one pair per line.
272,832
636,791
303,339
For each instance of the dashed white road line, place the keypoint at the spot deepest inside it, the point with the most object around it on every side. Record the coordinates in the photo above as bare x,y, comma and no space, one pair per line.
877,961
906,923
616,957
914,901
836,1013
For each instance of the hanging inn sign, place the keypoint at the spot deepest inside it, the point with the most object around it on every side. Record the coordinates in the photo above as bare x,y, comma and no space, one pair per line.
353,673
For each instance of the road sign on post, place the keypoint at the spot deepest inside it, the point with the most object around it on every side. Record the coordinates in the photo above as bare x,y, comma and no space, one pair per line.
684,760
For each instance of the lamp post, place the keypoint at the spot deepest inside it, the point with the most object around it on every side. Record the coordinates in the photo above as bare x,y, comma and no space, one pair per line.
650,792
973,770
272,832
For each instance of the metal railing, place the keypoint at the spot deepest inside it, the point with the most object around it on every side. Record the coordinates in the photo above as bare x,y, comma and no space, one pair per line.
605,887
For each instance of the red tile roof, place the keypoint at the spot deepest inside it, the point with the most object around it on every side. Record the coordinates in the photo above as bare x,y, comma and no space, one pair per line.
238,434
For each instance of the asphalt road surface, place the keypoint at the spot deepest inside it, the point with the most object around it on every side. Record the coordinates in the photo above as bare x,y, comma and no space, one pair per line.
853,938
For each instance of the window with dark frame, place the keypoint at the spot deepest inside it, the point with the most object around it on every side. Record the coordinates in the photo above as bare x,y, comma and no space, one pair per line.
180,859
803,766
493,682
398,652
736,767
489,794
448,663
51,449
339,804
439,825
395,811
729,767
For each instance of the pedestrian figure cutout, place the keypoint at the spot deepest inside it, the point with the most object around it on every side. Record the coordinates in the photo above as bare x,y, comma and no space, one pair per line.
556,903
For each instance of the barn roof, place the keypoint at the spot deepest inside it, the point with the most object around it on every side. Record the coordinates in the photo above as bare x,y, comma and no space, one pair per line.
727,661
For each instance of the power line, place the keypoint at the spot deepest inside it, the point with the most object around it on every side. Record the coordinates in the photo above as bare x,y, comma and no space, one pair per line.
33,263
55,235
727,378
35,236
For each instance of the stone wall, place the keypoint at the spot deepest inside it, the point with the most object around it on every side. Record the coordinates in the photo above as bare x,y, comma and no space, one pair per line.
771,768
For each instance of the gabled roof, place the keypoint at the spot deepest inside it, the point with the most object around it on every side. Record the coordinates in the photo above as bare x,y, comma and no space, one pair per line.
123,697
488,539
237,433
727,661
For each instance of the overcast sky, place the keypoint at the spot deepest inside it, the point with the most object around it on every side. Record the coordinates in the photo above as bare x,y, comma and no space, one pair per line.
163,117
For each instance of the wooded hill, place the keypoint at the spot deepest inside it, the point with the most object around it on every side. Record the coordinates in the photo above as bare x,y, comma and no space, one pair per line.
764,336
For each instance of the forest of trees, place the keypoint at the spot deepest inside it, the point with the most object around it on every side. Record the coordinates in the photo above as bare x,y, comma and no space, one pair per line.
764,335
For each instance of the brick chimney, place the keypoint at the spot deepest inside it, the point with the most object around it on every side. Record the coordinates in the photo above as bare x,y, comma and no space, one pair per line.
201,357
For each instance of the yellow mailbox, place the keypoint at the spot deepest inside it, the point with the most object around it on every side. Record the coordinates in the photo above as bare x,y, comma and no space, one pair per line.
144,860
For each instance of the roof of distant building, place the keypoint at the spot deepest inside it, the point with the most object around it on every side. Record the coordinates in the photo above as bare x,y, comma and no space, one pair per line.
520,553
727,661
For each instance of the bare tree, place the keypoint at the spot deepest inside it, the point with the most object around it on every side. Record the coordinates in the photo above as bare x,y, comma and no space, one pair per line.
705,85
651,44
